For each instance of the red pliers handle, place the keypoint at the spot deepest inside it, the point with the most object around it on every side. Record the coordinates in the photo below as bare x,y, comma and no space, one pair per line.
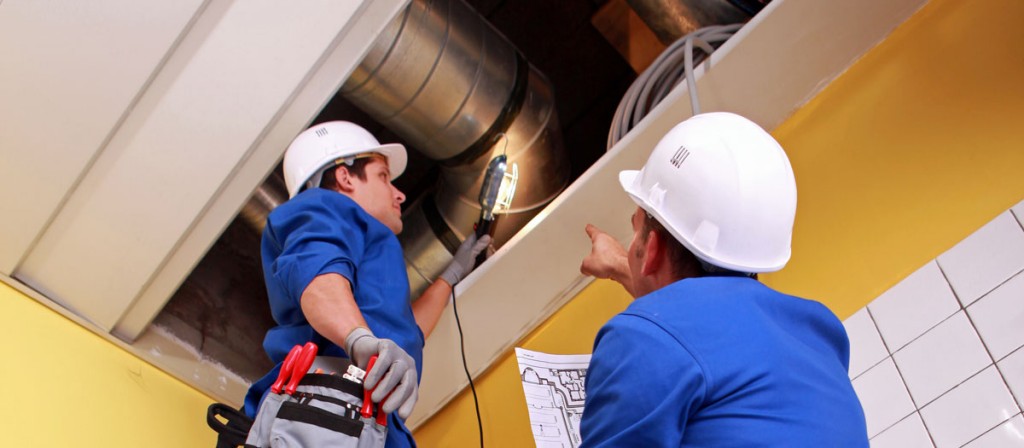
366,411
286,369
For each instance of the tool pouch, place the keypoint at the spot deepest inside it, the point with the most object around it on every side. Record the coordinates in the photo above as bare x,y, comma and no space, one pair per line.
323,412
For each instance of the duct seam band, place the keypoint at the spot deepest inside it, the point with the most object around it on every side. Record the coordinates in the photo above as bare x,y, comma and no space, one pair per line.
508,114
438,225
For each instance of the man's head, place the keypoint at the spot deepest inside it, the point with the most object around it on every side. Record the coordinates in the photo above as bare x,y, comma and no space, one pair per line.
655,257
718,187
346,158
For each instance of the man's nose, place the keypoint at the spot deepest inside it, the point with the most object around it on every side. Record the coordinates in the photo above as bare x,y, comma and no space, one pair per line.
398,194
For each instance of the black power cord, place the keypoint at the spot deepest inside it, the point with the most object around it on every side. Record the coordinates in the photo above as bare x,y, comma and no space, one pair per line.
465,367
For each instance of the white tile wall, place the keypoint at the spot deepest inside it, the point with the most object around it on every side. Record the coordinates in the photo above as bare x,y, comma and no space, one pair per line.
1007,435
971,409
1018,211
866,348
914,305
953,335
1012,368
985,259
941,358
908,433
883,396
999,317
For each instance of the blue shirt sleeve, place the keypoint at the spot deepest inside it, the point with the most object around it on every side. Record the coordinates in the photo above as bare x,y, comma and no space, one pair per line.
322,237
642,386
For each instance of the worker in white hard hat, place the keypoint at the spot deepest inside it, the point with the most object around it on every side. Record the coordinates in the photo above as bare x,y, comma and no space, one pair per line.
335,272
707,355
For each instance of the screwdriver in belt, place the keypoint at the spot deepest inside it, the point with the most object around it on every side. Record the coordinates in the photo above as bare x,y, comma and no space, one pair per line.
286,369
302,364
367,411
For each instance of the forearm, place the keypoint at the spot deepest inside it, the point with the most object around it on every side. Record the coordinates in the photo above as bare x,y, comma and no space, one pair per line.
428,307
621,275
330,307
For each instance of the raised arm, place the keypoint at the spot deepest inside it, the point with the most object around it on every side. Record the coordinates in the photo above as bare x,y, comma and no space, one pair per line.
607,259
428,307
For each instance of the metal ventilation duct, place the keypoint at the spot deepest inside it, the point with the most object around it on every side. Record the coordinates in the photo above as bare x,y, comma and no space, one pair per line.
452,86
673,19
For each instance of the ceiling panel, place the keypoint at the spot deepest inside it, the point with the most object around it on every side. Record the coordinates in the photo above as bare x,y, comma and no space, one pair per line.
71,69
191,133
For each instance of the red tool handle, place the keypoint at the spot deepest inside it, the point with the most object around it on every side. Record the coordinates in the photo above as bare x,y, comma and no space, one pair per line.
286,369
366,411
301,367
382,418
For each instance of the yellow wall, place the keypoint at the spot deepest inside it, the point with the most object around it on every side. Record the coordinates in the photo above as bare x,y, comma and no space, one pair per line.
502,403
917,145
66,386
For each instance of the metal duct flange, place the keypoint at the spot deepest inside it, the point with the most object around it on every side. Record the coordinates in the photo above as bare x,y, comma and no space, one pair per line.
672,19
453,87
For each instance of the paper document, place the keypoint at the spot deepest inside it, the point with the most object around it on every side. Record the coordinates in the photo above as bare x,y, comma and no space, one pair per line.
553,385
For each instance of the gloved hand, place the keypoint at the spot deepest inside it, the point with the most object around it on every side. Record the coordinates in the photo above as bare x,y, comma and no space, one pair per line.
393,375
465,258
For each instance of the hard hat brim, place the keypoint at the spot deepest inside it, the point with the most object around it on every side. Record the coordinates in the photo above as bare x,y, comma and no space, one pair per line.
628,180
397,157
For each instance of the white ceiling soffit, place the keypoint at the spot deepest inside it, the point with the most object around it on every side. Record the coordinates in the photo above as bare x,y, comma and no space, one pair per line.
66,84
781,59
138,129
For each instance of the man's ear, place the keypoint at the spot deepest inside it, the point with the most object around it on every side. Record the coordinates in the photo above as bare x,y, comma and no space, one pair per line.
344,179
654,251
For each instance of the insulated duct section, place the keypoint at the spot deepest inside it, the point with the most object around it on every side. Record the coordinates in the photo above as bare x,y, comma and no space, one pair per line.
453,87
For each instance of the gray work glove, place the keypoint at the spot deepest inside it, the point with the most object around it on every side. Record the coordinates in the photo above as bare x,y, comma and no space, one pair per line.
393,374
465,258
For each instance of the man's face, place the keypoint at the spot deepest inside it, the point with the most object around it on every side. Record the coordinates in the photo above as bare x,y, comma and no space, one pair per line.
635,253
377,196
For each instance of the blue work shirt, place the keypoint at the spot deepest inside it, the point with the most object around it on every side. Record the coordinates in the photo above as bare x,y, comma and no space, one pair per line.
722,362
318,232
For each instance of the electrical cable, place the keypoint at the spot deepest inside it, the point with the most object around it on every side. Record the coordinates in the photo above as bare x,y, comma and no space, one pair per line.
465,367
667,71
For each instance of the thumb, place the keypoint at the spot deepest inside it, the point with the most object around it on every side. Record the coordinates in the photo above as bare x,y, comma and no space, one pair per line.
482,243
593,231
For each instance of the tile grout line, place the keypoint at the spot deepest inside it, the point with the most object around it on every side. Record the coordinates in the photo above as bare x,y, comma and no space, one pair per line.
949,284
866,370
989,430
884,345
1013,395
878,330
902,380
995,364
984,344
901,420
1020,219
994,288
959,304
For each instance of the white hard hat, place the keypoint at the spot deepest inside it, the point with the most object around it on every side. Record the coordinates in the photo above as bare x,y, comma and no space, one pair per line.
320,146
724,188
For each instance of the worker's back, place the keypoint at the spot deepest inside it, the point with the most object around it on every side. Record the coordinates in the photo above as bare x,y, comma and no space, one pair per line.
722,361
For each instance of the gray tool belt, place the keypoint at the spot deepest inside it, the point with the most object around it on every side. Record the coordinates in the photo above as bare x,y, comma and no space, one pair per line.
324,411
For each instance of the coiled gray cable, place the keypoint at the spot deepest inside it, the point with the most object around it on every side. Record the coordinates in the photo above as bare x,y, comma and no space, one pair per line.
666,72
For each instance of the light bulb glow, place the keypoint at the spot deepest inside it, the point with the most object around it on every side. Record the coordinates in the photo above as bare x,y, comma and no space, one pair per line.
507,190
